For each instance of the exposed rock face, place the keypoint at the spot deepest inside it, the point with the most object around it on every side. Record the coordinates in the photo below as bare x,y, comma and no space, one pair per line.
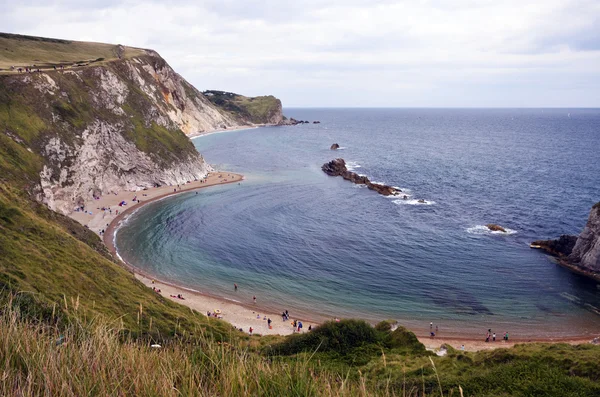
110,127
337,167
586,252
561,247
495,228
335,146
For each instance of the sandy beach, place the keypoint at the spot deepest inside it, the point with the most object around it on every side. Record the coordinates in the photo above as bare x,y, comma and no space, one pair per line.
107,220
241,315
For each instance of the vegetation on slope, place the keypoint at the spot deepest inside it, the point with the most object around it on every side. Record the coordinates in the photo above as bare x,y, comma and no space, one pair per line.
32,119
257,110
54,265
92,357
20,51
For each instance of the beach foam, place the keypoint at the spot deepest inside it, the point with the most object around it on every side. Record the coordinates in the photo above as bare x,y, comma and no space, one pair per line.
412,201
352,165
482,230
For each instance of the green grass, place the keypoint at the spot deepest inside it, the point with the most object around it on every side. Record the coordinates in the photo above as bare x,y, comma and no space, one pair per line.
257,110
56,262
19,50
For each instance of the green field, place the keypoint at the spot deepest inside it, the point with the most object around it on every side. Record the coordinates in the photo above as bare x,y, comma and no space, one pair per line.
21,51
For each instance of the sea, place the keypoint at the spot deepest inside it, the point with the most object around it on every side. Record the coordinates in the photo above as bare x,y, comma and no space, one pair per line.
324,248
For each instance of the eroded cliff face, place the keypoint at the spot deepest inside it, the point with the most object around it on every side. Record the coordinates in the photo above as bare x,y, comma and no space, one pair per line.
99,129
586,252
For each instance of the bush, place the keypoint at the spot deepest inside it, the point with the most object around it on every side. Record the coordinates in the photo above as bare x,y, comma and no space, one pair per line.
340,337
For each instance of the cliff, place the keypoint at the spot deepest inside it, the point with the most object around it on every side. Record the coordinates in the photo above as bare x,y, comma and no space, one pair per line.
258,110
579,253
94,125
586,252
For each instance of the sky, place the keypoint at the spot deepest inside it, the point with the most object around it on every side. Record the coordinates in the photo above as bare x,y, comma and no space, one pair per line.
351,53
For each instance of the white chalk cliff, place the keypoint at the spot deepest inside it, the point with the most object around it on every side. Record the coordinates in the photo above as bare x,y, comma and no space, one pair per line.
113,126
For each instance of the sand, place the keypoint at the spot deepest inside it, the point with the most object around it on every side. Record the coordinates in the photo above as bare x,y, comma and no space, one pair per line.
241,315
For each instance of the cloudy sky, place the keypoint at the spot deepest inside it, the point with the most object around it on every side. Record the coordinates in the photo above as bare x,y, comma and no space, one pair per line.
383,53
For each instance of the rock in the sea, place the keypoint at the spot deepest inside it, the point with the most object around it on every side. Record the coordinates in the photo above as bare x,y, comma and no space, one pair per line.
586,252
495,228
334,146
561,247
337,167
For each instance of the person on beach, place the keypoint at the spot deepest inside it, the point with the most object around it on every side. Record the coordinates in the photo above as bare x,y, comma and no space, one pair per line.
283,316
269,323
234,286
462,347
251,330
309,327
254,298
506,336
487,337
494,337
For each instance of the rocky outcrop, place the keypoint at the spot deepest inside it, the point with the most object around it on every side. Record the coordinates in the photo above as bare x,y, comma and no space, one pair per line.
337,167
495,228
586,252
108,127
561,247
578,253
293,121
335,146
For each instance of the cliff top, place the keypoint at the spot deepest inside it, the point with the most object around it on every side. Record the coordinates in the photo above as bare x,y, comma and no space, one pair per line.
259,110
25,51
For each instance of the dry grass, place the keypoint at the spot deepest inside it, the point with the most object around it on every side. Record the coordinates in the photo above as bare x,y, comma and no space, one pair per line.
20,51
92,359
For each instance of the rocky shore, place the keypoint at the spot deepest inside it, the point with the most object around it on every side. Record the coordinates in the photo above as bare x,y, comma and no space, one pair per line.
579,253
337,167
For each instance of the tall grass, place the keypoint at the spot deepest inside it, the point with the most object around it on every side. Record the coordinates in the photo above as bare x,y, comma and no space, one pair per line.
91,358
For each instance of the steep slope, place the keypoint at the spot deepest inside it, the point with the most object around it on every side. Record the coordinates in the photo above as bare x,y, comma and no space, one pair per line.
53,268
76,132
112,126
257,110
586,252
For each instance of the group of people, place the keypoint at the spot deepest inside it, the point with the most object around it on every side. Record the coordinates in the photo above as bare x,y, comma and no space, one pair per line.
492,335
431,332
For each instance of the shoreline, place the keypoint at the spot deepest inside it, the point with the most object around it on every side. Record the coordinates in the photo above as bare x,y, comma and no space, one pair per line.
221,130
243,315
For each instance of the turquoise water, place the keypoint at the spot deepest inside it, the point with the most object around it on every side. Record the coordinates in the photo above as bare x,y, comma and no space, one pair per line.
322,247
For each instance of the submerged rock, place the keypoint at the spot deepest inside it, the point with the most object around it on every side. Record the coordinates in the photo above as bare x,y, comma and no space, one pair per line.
495,228
334,146
337,167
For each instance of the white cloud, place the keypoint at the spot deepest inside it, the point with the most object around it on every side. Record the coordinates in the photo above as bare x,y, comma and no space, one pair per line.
353,52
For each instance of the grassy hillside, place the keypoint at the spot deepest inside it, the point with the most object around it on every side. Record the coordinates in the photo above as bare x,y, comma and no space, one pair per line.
19,51
258,110
92,358
54,265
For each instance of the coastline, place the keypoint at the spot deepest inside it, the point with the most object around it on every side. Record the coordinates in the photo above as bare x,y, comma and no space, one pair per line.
237,313
221,130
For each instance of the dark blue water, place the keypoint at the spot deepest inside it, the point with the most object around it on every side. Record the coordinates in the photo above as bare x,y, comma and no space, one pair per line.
323,247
